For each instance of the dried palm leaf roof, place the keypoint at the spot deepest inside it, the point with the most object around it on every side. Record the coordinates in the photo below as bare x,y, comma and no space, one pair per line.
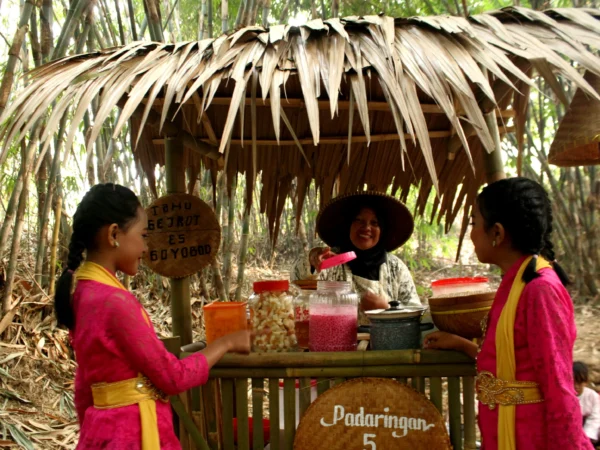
577,140
360,101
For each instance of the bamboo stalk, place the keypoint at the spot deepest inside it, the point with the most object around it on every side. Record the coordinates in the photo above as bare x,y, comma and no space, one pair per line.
454,407
402,380
14,55
120,23
53,249
188,423
224,16
346,359
274,413
322,385
46,21
242,254
76,10
289,412
469,412
258,390
227,395
241,409
228,243
265,13
132,24
435,389
305,395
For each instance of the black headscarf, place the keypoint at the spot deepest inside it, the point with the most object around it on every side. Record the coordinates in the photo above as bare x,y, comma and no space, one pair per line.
367,262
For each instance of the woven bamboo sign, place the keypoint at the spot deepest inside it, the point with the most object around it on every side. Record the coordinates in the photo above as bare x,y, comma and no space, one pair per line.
183,235
372,414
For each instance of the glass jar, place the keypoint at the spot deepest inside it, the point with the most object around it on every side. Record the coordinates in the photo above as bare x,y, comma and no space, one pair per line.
333,317
301,317
272,317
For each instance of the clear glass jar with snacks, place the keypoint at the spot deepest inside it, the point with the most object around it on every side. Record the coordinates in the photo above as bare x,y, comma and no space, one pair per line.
272,317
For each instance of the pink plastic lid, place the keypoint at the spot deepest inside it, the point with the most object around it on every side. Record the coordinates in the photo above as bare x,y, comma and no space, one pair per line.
338,260
458,281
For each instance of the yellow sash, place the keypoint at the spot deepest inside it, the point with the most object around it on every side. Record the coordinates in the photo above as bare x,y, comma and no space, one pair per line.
127,392
505,354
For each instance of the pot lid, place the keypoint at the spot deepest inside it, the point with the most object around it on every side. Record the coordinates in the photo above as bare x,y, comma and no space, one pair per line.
395,311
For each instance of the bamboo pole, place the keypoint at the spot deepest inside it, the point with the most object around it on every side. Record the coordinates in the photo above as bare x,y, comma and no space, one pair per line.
258,390
227,395
494,167
305,395
322,385
132,24
289,413
228,241
469,412
14,56
454,407
345,359
181,310
224,16
54,247
274,412
241,410
120,23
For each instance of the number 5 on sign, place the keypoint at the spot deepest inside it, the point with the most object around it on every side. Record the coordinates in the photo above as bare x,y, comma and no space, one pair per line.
367,441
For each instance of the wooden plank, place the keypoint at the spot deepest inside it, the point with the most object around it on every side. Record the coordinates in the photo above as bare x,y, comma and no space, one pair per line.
455,410
289,413
258,391
241,409
304,397
469,412
274,413
418,383
435,389
322,385
227,396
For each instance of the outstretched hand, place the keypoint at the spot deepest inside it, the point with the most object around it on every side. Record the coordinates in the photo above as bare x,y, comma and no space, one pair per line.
319,254
448,341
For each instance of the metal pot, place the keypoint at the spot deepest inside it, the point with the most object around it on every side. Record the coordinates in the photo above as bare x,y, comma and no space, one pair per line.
397,328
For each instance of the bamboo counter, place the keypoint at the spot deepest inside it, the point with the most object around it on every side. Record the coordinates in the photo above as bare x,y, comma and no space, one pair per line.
239,384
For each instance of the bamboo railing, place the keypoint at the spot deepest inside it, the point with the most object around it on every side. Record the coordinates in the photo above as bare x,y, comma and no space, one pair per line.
430,372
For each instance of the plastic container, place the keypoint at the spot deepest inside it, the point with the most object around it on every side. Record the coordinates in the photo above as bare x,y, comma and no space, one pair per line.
301,317
272,317
221,318
333,316
459,286
338,260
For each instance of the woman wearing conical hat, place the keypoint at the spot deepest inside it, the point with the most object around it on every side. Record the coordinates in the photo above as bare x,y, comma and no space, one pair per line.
372,225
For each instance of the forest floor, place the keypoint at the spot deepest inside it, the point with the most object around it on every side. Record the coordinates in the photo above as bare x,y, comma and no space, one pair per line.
36,368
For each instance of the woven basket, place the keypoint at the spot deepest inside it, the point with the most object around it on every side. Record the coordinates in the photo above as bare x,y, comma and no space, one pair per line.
461,315
577,140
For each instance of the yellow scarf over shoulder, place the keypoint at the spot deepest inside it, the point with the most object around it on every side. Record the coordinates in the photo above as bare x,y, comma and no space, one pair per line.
506,367
127,392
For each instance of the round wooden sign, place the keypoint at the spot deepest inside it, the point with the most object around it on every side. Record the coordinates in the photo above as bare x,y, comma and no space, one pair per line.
183,235
372,414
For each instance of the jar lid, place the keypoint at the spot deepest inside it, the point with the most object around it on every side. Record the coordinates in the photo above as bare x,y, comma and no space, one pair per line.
338,260
458,281
271,285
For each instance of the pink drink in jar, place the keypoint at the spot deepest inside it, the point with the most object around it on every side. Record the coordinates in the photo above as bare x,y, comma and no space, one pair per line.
333,318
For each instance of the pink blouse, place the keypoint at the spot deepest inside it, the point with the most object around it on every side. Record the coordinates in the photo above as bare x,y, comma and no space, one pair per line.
113,341
544,336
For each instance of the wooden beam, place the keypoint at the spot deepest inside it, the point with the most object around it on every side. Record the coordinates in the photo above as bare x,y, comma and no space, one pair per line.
428,108
333,140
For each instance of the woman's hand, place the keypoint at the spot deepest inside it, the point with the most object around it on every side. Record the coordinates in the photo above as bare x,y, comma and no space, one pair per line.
239,342
447,341
319,254
370,301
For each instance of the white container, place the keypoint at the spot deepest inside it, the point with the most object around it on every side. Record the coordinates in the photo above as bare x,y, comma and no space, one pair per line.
313,397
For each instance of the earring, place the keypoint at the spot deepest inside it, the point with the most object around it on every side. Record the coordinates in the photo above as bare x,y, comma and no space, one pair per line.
494,243
116,244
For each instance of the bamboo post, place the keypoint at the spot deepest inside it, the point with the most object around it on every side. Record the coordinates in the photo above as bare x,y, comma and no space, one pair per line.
435,390
227,395
322,385
305,394
274,412
455,412
241,409
494,167
289,412
181,311
469,411
258,390
53,250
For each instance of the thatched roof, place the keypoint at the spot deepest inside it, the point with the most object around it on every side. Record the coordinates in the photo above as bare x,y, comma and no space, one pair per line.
577,140
401,100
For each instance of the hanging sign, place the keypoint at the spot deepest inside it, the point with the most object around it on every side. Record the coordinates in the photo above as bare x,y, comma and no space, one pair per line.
372,414
183,235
